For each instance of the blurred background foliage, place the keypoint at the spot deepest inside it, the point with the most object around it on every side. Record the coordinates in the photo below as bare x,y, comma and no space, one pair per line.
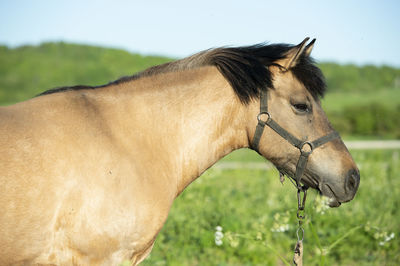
362,101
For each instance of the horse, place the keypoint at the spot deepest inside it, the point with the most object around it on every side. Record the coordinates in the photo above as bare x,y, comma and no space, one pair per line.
89,173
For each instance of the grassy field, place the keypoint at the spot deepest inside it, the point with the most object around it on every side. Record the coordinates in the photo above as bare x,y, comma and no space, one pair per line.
257,217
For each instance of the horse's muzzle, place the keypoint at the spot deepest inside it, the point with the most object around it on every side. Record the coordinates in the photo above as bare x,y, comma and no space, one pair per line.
341,192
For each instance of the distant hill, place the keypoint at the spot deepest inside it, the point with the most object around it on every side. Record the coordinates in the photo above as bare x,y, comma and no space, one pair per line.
28,70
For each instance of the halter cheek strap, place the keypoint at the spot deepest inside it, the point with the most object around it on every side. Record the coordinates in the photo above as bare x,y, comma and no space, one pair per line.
299,144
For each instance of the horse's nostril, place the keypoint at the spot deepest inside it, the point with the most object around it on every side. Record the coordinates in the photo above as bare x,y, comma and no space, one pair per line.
352,180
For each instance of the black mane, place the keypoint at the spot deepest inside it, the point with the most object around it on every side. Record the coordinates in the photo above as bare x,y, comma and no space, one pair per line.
245,68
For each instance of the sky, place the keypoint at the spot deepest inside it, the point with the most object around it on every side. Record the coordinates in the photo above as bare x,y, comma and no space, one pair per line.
358,31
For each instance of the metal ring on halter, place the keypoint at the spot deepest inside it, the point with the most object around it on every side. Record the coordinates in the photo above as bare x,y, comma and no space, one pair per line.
263,113
302,233
309,144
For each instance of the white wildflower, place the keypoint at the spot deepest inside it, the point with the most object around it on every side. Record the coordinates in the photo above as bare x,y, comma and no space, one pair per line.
218,236
390,237
218,242
384,237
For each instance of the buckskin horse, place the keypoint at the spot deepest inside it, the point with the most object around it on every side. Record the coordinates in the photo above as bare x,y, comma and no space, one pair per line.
88,174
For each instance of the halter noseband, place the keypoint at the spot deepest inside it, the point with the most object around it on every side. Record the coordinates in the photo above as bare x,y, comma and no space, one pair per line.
299,144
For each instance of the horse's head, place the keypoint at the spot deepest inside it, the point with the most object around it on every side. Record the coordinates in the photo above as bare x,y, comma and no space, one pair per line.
293,103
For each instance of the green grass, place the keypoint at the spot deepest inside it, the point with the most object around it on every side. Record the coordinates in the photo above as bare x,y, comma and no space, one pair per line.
243,155
248,203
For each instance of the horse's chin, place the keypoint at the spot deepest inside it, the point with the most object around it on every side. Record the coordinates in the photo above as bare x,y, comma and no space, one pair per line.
333,203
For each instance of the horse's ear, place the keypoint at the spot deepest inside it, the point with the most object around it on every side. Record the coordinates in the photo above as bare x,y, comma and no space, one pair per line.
294,54
309,48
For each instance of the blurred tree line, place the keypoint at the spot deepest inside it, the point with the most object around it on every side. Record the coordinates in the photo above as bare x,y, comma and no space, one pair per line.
373,120
346,78
26,71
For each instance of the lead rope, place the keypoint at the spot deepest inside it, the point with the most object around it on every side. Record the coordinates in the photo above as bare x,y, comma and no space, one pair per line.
301,204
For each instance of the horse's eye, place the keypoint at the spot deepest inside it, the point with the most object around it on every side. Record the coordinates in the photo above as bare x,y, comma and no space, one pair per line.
301,107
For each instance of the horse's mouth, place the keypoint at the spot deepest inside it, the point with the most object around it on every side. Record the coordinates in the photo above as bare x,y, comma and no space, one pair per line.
323,188
327,191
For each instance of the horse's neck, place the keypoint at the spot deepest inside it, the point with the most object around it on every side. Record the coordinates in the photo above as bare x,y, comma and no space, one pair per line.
213,126
197,120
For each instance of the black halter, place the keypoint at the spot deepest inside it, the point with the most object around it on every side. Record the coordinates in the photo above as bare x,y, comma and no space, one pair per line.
299,144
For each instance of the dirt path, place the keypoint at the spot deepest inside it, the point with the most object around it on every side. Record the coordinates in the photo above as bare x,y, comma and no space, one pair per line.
372,144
